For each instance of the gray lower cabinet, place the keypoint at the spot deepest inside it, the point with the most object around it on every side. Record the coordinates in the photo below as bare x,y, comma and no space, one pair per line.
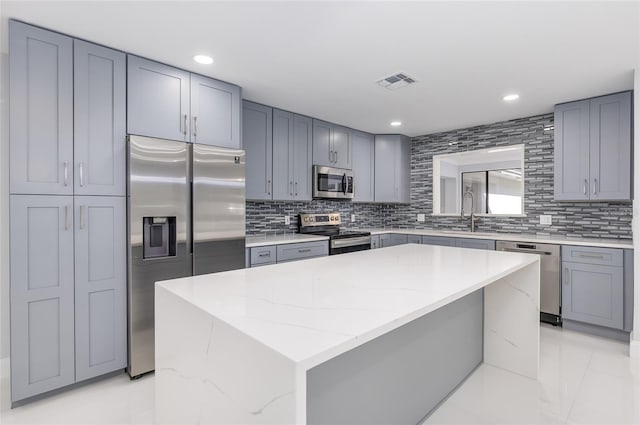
292,156
283,253
263,255
476,243
392,239
99,120
593,286
67,312
215,112
438,240
363,163
392,168
414,239
157,100
375,241
42,294
41,105
100,285
592,145
257,140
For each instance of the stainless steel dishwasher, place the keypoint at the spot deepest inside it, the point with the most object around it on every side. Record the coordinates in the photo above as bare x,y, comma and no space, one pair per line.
550,306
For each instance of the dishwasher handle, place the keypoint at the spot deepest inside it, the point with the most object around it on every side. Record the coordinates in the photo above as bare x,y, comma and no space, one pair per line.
526,251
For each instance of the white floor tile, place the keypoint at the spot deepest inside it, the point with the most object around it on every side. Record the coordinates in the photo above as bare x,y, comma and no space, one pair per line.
583,380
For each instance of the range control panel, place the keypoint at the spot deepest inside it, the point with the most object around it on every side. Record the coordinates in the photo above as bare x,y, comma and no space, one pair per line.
329,219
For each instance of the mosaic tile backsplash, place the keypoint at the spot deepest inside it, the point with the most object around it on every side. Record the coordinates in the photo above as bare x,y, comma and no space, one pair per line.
582,219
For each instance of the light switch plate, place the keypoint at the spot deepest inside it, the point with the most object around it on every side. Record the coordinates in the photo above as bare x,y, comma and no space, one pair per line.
353,218
287,219
421,218
545,219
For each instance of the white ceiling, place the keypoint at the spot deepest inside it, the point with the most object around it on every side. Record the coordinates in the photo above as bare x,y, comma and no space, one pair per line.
323,58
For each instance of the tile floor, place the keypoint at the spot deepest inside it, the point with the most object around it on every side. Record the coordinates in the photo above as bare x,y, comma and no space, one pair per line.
583,380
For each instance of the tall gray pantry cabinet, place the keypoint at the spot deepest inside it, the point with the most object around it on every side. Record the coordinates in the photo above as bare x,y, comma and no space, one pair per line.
67,210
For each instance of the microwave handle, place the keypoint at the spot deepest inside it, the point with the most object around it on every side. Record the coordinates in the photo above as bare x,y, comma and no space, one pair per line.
344,183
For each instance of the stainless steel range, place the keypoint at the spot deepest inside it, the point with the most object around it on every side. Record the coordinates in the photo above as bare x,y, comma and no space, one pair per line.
328,224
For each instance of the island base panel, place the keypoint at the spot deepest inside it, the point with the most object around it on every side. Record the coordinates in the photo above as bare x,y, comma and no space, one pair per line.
400,376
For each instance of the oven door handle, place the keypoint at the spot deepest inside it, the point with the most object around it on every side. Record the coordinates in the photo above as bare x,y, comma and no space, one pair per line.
342,243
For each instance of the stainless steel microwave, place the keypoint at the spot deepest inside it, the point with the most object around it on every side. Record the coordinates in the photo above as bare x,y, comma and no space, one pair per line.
334,183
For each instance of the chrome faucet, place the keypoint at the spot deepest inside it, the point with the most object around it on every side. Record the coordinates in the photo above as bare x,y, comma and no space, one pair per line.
473,217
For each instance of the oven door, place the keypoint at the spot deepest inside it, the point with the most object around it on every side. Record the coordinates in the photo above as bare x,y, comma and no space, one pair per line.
331,182
344,245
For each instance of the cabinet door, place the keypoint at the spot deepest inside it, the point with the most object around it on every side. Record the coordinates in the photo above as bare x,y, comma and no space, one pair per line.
99,125
41,105
341,144
610,152
283,185
100,284
414,239
375,241
215,112
322,147
386,153
157,100
385,240
476,243
257,139
397,239
363,165
593,294
571,151
302,145
42,304
403,168
438,240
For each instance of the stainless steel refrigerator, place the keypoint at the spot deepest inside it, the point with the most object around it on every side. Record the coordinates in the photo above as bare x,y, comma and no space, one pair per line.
186,210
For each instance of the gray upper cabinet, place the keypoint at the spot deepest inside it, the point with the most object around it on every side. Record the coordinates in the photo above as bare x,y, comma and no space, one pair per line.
292,150
257,140
100,285
392,168
331,145
42,287
41,105
363,165
215,112
99,120
592,149
157,100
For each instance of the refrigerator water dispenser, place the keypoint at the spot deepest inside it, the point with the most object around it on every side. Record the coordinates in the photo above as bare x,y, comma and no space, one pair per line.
159,237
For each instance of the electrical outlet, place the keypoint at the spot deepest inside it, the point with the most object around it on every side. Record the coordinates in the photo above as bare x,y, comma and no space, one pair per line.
287,219
545,220
421,218
353,218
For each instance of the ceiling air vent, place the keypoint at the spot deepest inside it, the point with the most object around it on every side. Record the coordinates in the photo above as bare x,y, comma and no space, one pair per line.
396,81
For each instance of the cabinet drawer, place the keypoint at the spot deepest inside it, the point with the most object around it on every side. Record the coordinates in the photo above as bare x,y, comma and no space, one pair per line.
438,240
263,254
296,251
590,255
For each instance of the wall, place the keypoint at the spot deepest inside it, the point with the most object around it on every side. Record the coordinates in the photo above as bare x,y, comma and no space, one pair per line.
634,348
594,220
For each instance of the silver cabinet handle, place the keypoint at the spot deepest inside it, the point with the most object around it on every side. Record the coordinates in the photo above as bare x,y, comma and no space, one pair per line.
195,126
268,187
336,153
304,250
82,174
584,186
566,276
266,254
330,155
66,173
595,182
81,216
595,256
296,189
184,131
66,217
291,188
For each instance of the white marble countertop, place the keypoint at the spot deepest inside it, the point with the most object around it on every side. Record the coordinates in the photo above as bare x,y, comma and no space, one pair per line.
311,311
256,241
560,240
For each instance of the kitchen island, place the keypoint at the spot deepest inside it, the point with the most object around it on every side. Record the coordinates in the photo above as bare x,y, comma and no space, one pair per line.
369,337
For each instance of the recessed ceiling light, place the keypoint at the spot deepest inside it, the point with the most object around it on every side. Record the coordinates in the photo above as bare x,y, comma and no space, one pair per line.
203,59
511,97
396,123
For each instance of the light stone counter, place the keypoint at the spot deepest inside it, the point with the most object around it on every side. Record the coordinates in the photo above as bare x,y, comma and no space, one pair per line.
560,240
256,241
238,347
